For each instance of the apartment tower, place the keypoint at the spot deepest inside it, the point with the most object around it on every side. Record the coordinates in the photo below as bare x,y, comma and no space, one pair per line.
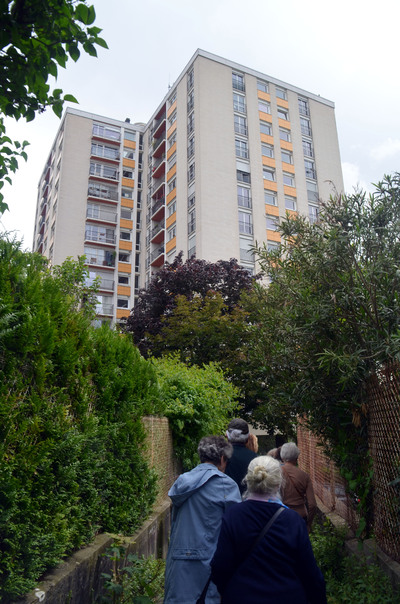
225,155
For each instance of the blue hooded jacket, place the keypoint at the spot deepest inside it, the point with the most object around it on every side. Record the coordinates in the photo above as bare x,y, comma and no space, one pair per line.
200,498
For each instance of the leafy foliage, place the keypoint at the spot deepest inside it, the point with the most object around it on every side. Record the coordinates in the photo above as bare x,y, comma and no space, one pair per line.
71,437
194,279
36,38
197,401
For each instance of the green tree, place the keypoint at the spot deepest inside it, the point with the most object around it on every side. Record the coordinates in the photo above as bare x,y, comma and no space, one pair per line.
36,38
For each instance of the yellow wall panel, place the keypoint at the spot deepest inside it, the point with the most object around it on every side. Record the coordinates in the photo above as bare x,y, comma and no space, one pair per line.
171,151
126,202
271,210
288,167
273,236
292,212
265,117
282,103
128,162
266,138
283,123
171,219
270,185
286,145
170,245
124,267
123,290
291,191
123,312
268,161
171,129
128,182
126,224
171,172
129,144
171,109
265,96
125,245
171,195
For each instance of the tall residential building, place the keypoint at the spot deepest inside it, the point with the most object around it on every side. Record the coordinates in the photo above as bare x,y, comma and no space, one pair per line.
225,155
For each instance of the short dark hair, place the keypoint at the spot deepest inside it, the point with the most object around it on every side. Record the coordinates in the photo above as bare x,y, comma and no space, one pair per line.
212,448
239,424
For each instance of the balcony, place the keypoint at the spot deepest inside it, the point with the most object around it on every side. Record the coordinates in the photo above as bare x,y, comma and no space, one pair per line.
105,309
158,210
106,285
157,233
103,132
159,147
157,257
103,215
103,171
102,192
106,153
159,128
159,167
100,237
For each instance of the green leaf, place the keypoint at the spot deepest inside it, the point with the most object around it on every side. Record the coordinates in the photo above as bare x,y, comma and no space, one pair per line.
70,98
102,43
82,13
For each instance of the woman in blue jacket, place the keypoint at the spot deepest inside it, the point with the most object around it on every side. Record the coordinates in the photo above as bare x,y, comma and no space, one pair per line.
199,498
281,568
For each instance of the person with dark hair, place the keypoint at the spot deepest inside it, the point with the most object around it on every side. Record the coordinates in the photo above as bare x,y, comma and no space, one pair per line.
264,554
238,435
199,499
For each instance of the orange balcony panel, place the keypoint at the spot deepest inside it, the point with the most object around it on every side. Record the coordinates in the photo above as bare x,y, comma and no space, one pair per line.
270,185
126,224
128,182
129,144
171,151
283,123
170,245
123,290
273,236
268,161
271,210
266,138
160,170
171,109
171,219
159,261
288,167
286,145
265,96
265,117
171,129
291,191
124,267
125,245
282,103
158,214
158,237
171,172
128,162
292,213
126,202
171,196
123,312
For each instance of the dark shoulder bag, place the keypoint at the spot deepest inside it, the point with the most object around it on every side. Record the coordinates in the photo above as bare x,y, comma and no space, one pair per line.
202,598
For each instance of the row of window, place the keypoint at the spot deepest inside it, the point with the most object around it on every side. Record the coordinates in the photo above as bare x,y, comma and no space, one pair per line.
239,84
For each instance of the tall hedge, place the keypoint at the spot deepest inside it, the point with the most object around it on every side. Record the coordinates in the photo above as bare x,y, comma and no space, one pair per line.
71,436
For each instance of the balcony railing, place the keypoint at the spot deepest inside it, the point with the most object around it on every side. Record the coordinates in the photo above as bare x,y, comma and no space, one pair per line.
100,260
105,152
157,205
103,171
104,309
159,227
155,253
104,132
100,237
101,215
95,190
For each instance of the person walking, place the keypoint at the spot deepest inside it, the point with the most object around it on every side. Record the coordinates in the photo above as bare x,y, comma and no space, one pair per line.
264,554
297,489
238,434
199,498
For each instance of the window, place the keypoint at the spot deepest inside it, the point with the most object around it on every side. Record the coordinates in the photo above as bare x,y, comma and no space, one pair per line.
265,128
172,161
288,179
103,191
122,302
245,223
191,172
287,157
171,208
106,132
127,172
283,114
273,246
284,134
313,213
272,223
191,123
172,118
238,81
191,147
239,103
123,279
281,93
240,125
190,80
270,198
126,235
192,222
103,170
129,153
123,256
126,213
192,247
267,150
243,176
305,126
264,107
243,194
172,99
172,140
310,168
99,256
190,103
268,174
129,135
290,203
312,191
171,184
127,193
307,148
263,86
303,107
241,149
99,233
105,151
191,200
171,233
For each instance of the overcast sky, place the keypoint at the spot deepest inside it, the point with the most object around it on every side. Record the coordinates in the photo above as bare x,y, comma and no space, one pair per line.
347,51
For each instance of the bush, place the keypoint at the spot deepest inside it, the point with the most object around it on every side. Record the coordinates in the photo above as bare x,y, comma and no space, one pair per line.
71,437
197,401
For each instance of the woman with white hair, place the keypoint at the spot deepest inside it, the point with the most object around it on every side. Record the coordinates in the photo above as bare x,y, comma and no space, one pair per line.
297,490
276,566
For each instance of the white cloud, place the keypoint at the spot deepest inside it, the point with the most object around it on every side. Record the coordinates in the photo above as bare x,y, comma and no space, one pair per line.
352,178
389,148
